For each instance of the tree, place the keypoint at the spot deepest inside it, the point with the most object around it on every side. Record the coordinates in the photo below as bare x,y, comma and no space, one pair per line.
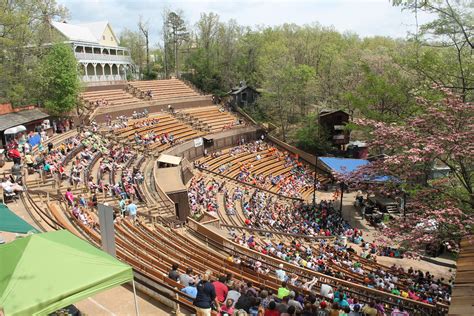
312,138
177,34
441,209
145,29
135,41
58,80
450,40
383,94
24,28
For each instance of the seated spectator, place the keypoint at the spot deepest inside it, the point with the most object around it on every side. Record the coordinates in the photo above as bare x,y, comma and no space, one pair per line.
174,273
186,278
190,290
369,309
227,308
399,311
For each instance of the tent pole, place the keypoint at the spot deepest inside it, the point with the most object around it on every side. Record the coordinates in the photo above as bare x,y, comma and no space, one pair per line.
135,298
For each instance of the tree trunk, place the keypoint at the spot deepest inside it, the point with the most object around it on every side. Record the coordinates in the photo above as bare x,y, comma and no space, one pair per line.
147,55
176,56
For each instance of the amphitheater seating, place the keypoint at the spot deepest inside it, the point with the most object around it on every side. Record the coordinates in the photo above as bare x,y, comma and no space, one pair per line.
268,165
167,125
114,97
162,89
210,118
152,249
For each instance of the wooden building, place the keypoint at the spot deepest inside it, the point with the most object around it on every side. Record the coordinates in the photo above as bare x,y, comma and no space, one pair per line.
243,95
334,122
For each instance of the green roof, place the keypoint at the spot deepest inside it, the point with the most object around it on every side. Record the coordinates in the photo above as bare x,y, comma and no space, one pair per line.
10,222
42,273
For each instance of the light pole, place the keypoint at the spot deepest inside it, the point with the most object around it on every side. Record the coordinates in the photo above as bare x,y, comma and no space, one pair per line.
316,169
404,205
342,195
314,181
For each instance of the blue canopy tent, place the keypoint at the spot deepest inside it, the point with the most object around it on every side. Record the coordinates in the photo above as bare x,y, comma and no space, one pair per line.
345,166
342,165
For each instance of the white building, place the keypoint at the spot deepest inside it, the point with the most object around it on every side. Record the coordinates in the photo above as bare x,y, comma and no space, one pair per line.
97,51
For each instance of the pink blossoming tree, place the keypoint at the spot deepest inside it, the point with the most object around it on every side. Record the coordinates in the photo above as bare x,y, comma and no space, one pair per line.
439,209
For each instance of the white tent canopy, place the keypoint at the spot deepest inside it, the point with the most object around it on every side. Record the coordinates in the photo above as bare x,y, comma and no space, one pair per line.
15,130
168,159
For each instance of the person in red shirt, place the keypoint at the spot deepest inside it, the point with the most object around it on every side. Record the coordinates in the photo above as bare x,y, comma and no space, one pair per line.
15,155
271,310
221,289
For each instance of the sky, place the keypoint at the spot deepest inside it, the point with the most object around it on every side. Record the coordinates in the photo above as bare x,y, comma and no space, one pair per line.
364,17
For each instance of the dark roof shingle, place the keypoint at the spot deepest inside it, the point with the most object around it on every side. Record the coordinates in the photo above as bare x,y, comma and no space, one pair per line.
19,118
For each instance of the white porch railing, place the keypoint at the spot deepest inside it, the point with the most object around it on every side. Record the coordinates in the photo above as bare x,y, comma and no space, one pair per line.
103,78
103,57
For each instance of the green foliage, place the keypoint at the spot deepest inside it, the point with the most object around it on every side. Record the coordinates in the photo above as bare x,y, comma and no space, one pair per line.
135,41
176,35
58,80
312,138
442,53
22,32
384,95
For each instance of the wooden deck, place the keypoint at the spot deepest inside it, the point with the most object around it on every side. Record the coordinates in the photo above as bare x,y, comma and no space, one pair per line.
462,302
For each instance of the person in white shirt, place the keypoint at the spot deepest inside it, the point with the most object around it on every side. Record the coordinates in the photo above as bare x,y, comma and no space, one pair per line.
327,291
280,273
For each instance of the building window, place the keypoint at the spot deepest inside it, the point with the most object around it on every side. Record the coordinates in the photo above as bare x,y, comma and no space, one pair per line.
111,38
103,37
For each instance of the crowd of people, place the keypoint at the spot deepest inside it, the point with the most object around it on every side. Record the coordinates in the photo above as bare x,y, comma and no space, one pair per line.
229,296
202,196
262,210
296,180
338,259
99,102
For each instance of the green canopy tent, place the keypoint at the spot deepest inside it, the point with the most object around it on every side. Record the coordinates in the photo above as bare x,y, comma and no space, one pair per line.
42,273
10,222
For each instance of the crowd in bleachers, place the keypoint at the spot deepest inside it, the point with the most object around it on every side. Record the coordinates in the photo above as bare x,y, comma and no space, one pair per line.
203,197
339,261
261,210
229,296
333,259
292,176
